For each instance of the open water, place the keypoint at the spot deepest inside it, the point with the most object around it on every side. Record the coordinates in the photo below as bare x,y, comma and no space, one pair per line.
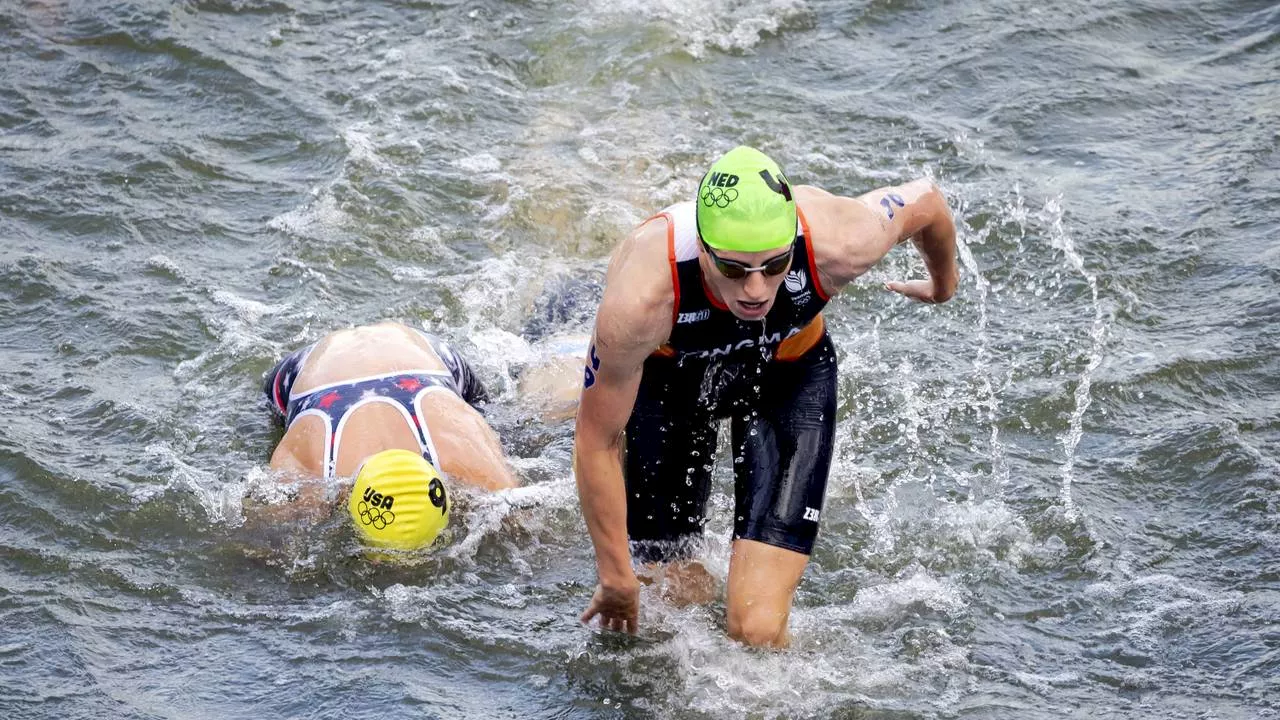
1057,495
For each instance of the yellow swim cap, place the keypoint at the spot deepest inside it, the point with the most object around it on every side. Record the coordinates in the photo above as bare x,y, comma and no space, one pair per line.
399,501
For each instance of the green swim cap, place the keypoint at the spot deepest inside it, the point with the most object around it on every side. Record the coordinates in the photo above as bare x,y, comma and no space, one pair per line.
745,203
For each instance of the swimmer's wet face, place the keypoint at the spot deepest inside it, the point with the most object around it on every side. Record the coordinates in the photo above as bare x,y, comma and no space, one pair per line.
398,501
751,296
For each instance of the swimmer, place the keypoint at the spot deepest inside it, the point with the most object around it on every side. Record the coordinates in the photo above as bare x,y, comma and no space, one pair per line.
393,408
712,309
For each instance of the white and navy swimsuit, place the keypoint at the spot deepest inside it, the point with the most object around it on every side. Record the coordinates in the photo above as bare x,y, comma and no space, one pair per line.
334,403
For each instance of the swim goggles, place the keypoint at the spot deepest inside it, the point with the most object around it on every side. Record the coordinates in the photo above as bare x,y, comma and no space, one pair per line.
735,270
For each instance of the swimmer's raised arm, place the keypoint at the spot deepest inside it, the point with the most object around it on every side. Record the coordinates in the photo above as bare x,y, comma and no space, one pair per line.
851,235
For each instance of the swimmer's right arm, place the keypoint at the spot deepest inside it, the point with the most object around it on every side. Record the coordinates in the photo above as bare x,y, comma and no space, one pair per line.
633,320
306,498
610,384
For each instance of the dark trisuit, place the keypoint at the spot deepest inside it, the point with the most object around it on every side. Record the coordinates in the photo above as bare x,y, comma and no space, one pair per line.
775,378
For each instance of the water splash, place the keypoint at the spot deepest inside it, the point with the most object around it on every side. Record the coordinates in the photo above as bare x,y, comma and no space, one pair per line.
881,532
988,403
220,503
1061,240
487,512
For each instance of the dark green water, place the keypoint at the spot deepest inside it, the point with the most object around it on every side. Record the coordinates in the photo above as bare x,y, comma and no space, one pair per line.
1056,496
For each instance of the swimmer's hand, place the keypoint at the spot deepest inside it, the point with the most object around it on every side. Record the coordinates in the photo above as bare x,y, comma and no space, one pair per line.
926,291
617,605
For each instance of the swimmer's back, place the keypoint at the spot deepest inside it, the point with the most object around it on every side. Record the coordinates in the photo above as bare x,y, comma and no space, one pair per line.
345,354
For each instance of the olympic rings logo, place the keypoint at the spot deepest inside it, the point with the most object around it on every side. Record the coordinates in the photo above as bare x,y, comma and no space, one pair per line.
720,197
374,515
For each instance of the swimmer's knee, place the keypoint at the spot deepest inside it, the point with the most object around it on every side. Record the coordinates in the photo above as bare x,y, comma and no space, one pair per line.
758,626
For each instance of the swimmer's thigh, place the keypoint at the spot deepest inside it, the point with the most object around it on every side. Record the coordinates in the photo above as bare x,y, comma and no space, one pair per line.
783,452
669,454
762,582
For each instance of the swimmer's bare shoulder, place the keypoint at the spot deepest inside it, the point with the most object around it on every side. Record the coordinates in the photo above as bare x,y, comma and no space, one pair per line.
637,310
296,453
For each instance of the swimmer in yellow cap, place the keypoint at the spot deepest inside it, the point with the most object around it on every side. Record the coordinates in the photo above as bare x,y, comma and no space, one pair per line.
393,408
398,501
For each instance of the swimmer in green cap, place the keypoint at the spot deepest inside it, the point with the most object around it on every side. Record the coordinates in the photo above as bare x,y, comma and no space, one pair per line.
712,310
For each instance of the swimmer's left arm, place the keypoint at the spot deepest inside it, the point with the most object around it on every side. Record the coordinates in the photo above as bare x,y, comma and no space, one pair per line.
859,232
923,217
